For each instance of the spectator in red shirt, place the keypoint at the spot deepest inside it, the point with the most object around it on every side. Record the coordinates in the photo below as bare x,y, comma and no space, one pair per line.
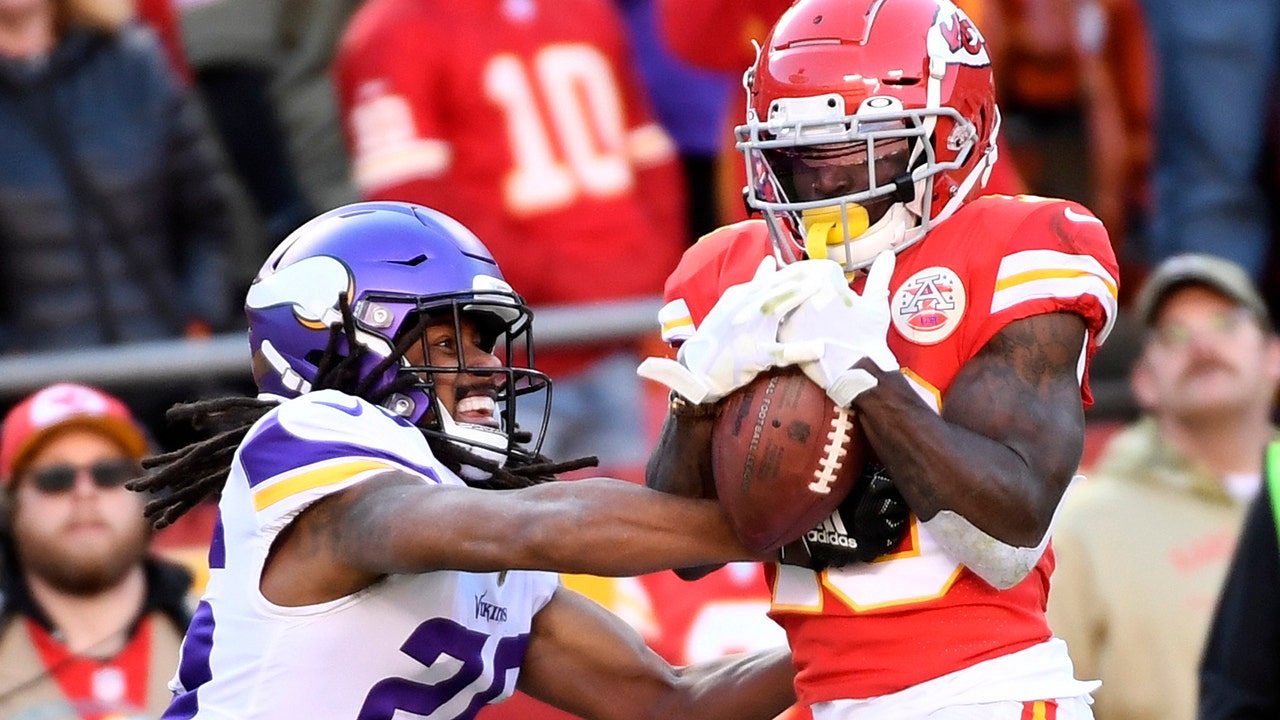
527,121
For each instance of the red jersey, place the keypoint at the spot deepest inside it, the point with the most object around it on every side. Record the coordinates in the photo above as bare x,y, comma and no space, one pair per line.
916,614
99,689
527,121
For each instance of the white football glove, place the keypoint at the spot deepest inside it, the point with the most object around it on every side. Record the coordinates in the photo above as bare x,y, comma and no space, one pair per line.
738,338
849,326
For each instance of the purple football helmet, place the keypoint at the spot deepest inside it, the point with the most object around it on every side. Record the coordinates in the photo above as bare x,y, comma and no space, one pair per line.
395,261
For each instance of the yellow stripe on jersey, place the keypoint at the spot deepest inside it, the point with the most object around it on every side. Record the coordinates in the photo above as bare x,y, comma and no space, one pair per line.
1039,710
1048,274
1038,274
316,477
676,321
925,389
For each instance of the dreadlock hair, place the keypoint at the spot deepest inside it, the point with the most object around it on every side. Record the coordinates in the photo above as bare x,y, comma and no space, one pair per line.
181,479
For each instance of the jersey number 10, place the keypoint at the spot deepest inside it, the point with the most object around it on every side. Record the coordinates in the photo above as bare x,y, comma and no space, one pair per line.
576,86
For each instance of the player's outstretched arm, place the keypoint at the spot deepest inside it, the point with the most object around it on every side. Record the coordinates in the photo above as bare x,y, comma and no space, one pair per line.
1007,443
586,661
394,523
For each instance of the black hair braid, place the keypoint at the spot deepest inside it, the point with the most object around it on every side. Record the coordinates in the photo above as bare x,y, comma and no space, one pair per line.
185,477
181,479
405,342
336,371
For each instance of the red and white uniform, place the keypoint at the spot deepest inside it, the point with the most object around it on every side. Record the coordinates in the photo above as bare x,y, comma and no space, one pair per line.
526,121
876,629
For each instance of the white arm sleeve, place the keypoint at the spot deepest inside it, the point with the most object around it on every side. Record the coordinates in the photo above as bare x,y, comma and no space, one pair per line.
1001,565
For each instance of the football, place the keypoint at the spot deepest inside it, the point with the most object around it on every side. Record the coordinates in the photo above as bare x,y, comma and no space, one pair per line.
783,457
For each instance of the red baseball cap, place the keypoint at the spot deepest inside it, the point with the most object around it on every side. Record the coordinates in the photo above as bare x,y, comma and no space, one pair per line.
60,406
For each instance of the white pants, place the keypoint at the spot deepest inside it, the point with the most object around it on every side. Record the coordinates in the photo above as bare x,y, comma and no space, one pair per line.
1076,708
1004,688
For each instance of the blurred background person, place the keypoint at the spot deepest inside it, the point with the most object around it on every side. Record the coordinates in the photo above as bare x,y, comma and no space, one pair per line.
114,225
527,121
307,102
162,17
691,103
234,49
1240,671
1216,78
1144,541
109,201
90,623
1038,85
1116,74
262,71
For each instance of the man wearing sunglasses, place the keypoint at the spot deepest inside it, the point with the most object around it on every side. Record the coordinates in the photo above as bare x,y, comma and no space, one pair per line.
90,624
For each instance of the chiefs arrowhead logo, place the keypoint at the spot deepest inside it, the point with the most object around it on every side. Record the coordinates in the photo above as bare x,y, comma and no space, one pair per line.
955,39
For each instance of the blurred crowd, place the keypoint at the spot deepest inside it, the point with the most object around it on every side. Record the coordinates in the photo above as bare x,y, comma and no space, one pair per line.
152,152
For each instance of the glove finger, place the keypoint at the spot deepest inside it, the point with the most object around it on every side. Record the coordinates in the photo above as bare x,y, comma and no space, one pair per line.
813,370
850,385
781,304
675,376
767,267
794,353
884,358
771,302
879,275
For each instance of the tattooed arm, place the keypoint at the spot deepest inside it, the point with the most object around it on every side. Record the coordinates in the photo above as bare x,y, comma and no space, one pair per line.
393,522
1008,440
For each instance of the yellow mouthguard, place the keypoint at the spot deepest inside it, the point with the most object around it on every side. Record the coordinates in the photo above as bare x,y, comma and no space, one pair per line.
822,228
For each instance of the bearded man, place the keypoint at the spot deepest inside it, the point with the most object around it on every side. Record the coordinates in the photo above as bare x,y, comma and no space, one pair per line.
90,623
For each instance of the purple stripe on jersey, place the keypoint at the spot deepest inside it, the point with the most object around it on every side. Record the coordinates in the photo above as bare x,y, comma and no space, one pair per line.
194,670
218,544
274,450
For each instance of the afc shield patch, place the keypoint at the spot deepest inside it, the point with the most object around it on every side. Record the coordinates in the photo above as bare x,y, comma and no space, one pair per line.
928,307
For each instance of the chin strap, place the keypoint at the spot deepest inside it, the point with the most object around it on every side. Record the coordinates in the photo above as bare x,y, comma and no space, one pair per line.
488,442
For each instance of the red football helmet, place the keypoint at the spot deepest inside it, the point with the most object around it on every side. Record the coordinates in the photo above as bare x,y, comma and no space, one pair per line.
867,122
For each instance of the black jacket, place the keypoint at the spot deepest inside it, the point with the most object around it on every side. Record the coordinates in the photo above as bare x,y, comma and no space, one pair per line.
1240,672
71,272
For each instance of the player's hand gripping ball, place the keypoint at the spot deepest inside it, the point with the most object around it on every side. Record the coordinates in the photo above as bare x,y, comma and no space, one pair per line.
783,457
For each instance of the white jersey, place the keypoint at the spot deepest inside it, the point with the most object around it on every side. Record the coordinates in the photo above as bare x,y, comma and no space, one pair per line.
437,645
